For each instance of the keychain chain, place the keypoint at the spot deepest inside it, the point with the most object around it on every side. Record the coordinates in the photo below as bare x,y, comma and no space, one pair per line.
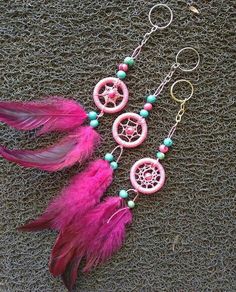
180,113
166,79
137,51
177,119
154,28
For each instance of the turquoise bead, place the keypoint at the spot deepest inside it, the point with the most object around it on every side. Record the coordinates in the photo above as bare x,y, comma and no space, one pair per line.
109,157
160,155
168,142
151,98
144,113
131,204
94,123
92,115
123,194
121,74
129,61
114,165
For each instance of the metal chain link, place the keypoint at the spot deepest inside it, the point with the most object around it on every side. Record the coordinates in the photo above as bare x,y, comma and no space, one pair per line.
177,119
180,112
137,51
166,79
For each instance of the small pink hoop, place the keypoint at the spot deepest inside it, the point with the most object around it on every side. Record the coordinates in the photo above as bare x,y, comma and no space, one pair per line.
129,130
115,94
147,185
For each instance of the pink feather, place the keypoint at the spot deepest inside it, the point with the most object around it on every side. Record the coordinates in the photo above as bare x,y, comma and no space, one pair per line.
52,114
76,147
83,193
72,243
80,232
108,240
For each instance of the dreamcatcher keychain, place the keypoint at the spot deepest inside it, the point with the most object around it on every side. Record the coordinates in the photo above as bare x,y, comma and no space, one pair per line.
110,95
87,188
101,231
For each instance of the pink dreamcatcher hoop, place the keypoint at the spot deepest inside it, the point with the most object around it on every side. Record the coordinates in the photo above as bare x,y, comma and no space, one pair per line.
147,176
110,95
129,130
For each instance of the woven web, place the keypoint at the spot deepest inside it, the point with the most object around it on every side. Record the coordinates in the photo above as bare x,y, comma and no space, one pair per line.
129,130
147,175
104,94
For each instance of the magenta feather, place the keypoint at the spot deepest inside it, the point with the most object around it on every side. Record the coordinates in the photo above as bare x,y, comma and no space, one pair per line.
76,147
83,193
108,240
97,229
74,239
52,114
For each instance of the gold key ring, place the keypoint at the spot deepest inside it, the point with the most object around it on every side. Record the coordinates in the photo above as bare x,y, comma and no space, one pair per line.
172,89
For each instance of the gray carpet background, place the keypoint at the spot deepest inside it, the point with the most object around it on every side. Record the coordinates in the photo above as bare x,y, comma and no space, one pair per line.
182,239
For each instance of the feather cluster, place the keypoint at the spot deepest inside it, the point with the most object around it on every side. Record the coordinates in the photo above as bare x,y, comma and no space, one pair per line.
94,238
51,114
88,229
76,147
84,192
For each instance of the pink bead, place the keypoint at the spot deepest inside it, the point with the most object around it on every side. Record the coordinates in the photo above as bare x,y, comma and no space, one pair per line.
148,176
123,67
112,94
163,148
130,131
148,106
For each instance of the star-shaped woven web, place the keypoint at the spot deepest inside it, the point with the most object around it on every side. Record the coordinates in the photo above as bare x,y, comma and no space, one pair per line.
147,175
129,130
110,88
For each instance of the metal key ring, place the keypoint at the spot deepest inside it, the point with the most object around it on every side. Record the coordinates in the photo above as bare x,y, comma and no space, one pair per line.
191,49
160,5
172,89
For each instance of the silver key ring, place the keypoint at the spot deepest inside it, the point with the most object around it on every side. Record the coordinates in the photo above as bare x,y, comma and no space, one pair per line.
150,13
198,59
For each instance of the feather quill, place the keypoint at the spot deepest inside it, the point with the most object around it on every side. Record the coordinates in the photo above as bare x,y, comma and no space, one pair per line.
83,193
76,147
51,114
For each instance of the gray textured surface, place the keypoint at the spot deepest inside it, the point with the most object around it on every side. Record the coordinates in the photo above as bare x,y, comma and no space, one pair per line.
65,47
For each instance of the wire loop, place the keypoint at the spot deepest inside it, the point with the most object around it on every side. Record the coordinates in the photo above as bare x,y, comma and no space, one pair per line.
120,147
190,49
172,90
154,28
150,14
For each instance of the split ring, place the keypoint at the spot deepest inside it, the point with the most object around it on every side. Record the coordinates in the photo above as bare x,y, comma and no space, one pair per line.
198,59
150,13
172,89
